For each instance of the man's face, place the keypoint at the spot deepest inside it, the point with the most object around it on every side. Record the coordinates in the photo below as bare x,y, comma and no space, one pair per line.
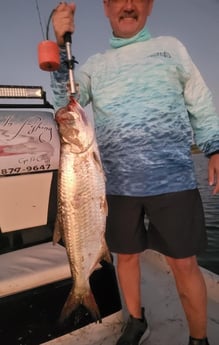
127,17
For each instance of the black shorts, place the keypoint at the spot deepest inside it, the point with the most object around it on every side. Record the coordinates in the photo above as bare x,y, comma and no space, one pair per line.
172,224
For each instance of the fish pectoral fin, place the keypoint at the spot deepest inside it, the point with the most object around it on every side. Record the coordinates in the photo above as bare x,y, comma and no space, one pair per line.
104,205
97,161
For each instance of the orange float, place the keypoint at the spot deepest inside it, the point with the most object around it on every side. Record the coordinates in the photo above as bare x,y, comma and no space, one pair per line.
48,56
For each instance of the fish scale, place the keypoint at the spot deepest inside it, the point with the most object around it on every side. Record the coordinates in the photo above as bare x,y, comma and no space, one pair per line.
82,207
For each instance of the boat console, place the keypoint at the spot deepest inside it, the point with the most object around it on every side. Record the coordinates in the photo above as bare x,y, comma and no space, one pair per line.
35,278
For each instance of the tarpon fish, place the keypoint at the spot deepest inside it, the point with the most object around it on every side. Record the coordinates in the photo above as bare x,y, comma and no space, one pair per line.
82,206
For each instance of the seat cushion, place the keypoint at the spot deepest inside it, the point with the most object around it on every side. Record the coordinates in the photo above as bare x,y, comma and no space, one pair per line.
31,267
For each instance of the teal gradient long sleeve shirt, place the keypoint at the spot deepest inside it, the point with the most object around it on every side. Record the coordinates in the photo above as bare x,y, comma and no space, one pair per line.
149,103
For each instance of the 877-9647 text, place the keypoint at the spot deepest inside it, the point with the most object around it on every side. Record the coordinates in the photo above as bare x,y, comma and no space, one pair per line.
22,170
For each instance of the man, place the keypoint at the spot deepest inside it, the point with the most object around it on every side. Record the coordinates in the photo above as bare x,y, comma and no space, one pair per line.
147,96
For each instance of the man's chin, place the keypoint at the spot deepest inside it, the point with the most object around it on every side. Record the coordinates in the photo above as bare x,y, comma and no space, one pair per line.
127,30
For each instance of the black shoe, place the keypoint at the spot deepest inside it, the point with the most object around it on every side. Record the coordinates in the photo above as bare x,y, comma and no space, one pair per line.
193,341
134,331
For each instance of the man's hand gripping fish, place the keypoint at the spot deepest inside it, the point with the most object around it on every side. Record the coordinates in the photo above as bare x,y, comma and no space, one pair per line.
82,206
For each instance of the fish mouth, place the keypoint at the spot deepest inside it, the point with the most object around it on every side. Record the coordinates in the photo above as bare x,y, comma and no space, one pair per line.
65,122
62,116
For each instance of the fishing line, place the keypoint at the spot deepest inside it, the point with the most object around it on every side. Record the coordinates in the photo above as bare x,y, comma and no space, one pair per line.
48,23
39,17
40,21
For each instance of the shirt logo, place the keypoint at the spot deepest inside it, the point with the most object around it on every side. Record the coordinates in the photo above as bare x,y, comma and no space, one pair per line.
163,54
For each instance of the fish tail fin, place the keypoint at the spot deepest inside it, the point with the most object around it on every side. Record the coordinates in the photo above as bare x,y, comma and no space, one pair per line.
74,301
90,304
71,304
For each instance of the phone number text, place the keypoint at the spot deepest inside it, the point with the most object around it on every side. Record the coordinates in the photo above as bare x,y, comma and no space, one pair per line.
22,170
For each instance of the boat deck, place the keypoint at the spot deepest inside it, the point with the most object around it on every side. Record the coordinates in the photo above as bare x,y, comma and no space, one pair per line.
163,309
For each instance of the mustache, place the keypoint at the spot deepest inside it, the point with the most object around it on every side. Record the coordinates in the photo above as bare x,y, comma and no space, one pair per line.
131,14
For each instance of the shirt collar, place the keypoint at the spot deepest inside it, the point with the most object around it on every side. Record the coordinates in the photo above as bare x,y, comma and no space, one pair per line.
117,42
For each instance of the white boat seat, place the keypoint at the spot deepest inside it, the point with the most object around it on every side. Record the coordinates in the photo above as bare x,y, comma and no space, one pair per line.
32,267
